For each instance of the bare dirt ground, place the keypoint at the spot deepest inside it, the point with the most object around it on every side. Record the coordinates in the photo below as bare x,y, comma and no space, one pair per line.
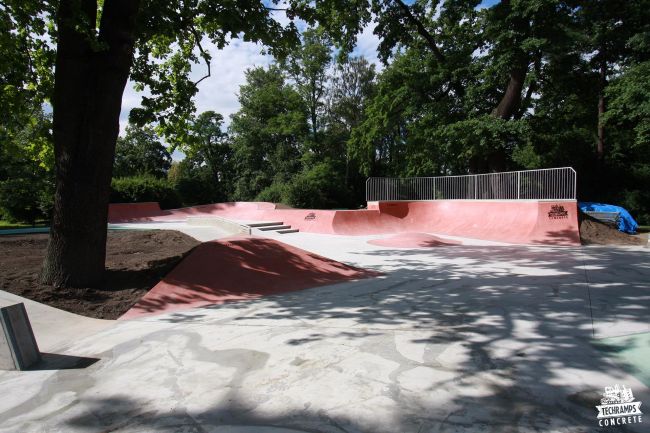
594,232
136,260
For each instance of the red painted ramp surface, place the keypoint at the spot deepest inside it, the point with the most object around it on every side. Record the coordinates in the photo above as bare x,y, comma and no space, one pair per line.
522,222
240,268
513,221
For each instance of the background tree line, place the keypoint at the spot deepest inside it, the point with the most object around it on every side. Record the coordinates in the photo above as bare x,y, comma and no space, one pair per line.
520,85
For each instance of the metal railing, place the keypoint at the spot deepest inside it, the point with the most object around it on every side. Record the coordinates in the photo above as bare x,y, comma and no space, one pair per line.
543,184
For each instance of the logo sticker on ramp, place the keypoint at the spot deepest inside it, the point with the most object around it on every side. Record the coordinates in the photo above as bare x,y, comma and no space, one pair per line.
558,212
617,407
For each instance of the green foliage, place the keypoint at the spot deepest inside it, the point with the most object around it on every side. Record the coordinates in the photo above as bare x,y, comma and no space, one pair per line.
140,152
26,198
317,187
307,65
26,176
268,132
144,189
629,106
195,184
275,193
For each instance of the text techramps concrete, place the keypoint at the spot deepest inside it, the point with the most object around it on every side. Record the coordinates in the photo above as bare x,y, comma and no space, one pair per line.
512,221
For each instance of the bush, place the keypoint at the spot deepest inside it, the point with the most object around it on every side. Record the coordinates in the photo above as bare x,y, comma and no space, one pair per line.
26,199
144,188
320,187
195,184
276,193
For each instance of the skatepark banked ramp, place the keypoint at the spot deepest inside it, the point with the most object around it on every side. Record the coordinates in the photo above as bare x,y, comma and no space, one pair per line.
527,221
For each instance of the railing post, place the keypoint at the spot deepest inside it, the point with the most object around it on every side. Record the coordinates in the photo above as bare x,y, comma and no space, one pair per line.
518,185
434,188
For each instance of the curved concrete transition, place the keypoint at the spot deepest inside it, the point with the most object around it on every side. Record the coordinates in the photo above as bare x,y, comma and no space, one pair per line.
413,240
241,268
512,221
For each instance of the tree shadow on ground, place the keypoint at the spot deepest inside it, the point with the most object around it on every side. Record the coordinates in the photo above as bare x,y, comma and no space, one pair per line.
520,318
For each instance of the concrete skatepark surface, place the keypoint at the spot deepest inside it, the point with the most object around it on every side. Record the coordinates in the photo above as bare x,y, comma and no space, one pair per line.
512,221
413,240
478,337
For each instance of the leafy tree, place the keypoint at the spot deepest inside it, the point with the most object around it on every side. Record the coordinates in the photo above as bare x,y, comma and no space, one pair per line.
140,152
308,66
26,178
143,188
267,133
99,45
208,149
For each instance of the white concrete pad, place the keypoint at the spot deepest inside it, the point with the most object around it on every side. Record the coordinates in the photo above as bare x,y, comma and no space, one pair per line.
485,338
54,328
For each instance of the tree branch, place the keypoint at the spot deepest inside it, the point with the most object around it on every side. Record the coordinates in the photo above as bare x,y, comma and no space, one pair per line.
422,31
204,54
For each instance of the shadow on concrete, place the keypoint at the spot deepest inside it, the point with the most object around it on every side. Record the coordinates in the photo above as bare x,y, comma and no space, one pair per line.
522,315
54,361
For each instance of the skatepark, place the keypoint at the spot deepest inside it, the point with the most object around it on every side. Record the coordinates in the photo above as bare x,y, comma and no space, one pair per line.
413,315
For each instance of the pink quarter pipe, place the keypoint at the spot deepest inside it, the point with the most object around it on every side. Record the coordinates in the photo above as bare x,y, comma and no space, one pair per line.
513,221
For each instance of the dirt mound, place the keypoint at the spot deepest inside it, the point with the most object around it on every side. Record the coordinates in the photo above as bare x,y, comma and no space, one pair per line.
594,232
136,260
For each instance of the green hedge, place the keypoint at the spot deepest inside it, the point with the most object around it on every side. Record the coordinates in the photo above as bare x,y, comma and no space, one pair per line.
144,188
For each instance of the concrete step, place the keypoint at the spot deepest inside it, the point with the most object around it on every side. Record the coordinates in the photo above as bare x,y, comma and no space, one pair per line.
265,224
286,231
269,228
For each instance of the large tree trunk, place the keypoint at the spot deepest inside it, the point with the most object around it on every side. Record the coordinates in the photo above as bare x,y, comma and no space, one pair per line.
89,82
512,97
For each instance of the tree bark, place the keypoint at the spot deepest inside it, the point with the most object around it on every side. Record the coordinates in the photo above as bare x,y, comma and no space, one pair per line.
90,78
512,96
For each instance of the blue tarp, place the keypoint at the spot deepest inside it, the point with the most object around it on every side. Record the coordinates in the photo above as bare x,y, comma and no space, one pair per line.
625,223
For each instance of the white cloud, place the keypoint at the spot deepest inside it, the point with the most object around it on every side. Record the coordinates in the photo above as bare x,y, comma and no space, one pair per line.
219,91
228,67
367,43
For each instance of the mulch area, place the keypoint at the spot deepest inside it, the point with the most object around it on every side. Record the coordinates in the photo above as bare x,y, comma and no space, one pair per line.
136,260
594,232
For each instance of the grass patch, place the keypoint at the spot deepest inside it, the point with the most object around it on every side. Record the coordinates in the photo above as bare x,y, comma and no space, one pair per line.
9,225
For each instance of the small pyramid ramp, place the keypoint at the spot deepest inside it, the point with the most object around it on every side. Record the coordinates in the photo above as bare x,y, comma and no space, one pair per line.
240,268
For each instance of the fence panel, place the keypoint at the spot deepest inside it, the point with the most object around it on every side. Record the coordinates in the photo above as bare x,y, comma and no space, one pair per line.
544,184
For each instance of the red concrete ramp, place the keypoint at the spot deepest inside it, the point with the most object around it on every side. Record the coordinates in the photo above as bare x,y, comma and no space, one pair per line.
240,268
123,212
512,221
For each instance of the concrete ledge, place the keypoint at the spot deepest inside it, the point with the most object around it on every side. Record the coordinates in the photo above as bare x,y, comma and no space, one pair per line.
18,348
224,224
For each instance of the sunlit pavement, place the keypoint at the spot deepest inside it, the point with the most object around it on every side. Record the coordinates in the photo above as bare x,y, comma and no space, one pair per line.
477,337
